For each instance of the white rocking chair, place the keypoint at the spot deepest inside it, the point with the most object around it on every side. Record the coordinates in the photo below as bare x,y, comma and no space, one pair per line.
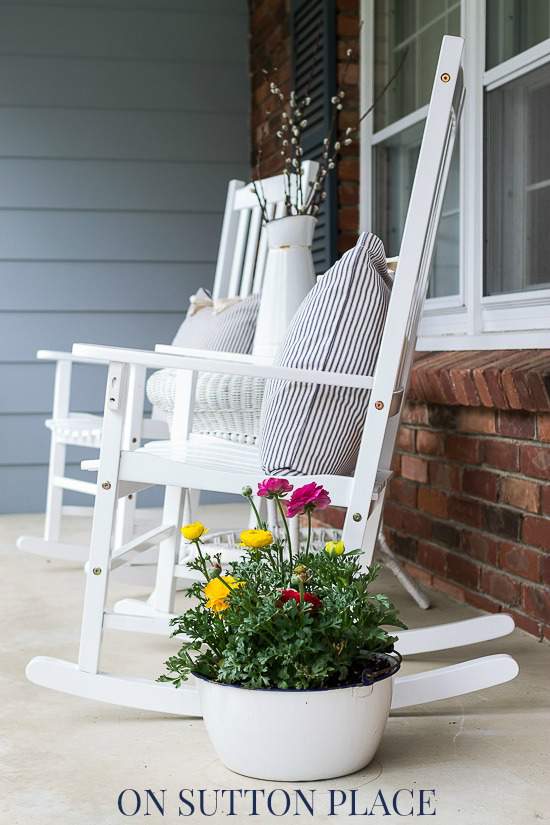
179,465
239,272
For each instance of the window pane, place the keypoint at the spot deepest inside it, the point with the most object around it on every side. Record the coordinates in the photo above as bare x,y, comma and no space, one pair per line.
517,184
513,26
416,25
395,165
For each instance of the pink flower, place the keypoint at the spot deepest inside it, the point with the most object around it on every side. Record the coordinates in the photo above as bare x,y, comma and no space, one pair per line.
272,487
307,498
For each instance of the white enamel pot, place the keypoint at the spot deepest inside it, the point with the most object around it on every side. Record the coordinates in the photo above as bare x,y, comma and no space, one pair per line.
297,735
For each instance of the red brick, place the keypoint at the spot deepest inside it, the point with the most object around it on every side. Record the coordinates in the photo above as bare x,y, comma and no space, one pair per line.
430,442
463,448
516,424
463,570
403,492
476,420
482,602
449,589
480,483
536,531
536,602
521,561
403,545
347,26
405,439
416,524
419,574
432,557
413,468
500,586
543,426
415,414
465,511
445,534
526,623
501,454
332,516
545,498
518,492
502,522
445,475
535,461
395,465
545,570
432,501
393,515
480,546
348,169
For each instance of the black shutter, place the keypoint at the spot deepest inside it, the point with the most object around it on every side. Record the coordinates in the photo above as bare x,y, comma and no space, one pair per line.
313,31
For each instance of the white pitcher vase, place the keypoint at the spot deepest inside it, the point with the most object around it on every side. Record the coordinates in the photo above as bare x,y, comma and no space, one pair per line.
289,275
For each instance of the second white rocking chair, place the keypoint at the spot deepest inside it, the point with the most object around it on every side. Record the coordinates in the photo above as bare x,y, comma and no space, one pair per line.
168,464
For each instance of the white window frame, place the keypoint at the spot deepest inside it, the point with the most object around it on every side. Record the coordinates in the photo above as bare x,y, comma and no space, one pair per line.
468,320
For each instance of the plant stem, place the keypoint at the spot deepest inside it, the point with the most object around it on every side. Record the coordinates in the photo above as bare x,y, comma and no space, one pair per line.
308,533
259,522
202,559
287,531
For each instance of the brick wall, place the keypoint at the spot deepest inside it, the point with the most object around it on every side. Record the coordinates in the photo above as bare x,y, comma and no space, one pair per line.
468,509
270,49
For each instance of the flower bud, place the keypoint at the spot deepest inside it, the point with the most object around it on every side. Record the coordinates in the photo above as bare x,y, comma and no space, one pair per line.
334,548
247,492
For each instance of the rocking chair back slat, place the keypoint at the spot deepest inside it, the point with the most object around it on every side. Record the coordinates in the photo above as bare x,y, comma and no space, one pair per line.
251,255
410,286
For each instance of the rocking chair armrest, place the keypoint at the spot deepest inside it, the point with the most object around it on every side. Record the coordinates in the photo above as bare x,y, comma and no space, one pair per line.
159,360
208,353
58,355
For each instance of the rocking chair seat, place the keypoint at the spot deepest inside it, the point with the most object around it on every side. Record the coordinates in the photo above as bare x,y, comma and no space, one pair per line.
192,461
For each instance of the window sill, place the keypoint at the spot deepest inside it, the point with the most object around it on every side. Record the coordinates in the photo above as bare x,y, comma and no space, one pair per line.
512,379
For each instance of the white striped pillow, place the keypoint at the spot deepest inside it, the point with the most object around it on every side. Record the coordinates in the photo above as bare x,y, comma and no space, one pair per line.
313,429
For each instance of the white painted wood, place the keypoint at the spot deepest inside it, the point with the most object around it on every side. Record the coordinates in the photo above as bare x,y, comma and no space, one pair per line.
54,500
49,549
74,484
454,634
104,514
115,690
239,365
162,597
455,680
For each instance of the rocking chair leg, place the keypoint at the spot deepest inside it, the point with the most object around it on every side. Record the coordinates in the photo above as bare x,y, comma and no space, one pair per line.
406,581
60,409
162,597
97,572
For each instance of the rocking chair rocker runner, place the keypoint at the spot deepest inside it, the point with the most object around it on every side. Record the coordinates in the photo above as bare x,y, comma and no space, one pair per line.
174,465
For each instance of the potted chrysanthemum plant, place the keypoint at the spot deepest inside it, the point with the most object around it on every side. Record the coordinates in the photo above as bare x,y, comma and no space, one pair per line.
289,647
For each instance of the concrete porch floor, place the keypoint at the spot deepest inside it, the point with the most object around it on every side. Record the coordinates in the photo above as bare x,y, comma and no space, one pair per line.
65,759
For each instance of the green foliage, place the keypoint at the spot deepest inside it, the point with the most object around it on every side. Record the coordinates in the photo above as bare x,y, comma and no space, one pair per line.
261,641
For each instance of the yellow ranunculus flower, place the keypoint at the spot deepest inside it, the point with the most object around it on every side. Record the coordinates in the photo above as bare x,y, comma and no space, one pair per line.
193,531
256,538
334,548
217,591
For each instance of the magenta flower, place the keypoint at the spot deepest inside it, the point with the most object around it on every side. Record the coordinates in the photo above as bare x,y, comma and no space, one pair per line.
273,487
307,498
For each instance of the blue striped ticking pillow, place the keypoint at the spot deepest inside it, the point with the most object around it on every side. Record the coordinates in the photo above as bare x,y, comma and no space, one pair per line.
313,429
